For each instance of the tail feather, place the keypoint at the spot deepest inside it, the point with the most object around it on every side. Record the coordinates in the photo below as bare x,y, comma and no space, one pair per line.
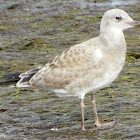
25,77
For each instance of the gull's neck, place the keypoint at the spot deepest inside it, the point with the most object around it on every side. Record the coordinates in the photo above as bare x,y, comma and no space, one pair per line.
113,38
113,41
113,34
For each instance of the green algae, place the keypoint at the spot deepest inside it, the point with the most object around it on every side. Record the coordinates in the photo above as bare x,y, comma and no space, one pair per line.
3,28
129,57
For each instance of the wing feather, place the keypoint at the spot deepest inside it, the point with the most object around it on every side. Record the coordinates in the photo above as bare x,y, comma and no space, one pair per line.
72,64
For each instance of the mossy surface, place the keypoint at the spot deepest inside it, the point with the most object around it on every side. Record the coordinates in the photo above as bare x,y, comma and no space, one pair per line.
31,34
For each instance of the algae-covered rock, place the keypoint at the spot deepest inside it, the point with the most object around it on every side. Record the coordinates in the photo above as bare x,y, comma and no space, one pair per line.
32,32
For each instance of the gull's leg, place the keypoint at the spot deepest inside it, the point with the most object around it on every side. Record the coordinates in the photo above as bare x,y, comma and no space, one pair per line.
82,107
97,123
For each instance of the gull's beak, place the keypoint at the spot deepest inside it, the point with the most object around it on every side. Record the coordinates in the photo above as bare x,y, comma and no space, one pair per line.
134,23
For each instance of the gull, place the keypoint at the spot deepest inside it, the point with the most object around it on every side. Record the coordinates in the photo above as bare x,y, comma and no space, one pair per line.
86,67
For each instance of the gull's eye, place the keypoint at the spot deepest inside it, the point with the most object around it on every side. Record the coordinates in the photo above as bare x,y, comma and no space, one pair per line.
118,17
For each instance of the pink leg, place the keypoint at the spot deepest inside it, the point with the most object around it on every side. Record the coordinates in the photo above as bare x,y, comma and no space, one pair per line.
97,122
82,107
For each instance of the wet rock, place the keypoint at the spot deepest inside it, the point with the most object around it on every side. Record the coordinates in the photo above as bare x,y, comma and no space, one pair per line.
32,32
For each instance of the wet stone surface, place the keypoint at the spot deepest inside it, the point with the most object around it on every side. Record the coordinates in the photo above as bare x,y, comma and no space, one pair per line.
32,32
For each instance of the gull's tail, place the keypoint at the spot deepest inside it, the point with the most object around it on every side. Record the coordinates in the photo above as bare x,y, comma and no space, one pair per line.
10,78
25,77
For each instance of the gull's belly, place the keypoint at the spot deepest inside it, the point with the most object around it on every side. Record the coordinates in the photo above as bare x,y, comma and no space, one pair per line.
99,83
107,79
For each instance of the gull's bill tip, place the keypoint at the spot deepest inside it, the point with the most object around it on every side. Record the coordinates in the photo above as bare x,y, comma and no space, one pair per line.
134,23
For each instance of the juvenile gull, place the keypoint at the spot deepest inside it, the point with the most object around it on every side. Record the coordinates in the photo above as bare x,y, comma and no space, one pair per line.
86,67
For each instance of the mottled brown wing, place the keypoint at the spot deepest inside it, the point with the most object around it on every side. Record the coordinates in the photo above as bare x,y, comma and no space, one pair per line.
70,65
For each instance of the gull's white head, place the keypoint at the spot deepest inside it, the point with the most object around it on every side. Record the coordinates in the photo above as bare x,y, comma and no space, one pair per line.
117,19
